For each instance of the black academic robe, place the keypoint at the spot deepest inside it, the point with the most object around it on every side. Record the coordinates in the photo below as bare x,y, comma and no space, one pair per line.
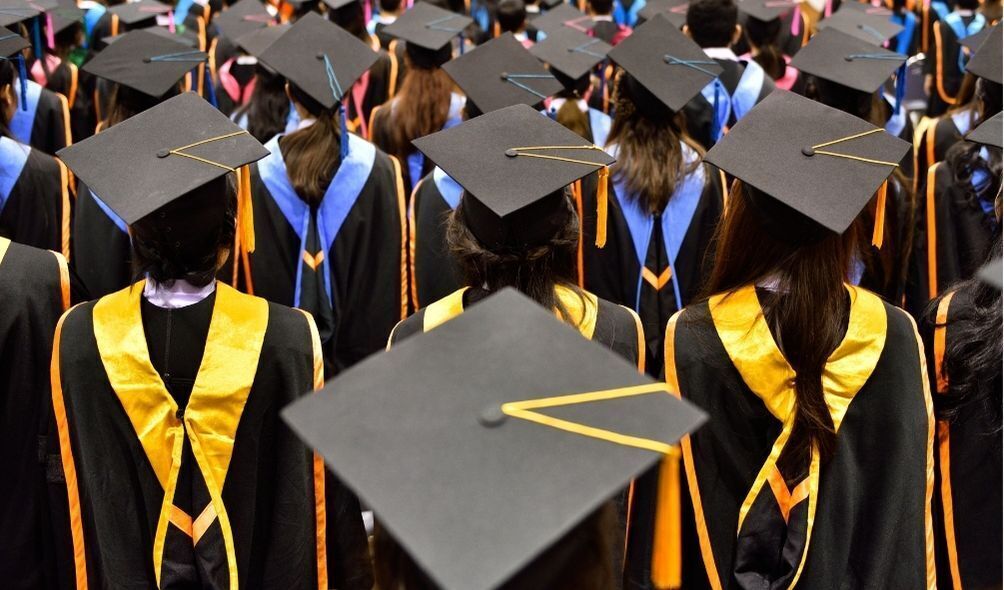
102,253
885,269
953,236
45,125
968,495
344,261
35,210
35,290
66,79
943,63
130,455
934,136
861,519
378,85
432,272
634,267
743,86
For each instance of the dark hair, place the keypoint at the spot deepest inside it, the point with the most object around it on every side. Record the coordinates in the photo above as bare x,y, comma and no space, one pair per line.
206,218
125,102
965,161
511,15
602,6
312,154
648,136
989,96
351,18
807,315
763,37
7,73
967,4
570,115
972,360
390,5
712,22
534,271
268,107
581,560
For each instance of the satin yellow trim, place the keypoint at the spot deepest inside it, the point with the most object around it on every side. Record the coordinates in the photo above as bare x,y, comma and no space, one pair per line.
413,244
667,545
584,309
236,335
443,310
180,519
202,523
64,278
640,334
402,215
4,244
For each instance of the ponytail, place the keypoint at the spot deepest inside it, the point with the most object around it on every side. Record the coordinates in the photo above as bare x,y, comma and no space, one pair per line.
572,117
763,37
312,156
268,108
6,108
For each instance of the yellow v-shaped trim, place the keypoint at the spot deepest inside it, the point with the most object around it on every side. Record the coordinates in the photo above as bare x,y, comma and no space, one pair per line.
524,410
4,244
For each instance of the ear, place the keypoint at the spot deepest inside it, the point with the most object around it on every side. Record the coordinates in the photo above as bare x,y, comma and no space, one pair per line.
737,34
686,31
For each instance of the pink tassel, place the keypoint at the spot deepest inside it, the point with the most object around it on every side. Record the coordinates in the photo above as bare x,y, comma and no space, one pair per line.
170,21
50,36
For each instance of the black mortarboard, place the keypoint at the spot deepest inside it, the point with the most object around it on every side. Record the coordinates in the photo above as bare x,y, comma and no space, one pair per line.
986,61
133,13
551,4
675,11
502,161
427,26
871,27
822,162
991,273
338,4
571,53
242,17
988,132
256,42
11,43
61,17
185,38
502,73
766,10
847,60
483,442
144,61
321,58
15,11
160,155
562,17
666,62
973,42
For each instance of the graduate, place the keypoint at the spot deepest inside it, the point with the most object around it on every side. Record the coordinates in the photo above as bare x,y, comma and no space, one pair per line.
962,336
35,290
389,11
511,497
520,230
144,69
601,12
34,186
268,111
663,203
235,71
511,17
804,376
329,207
178,471
425,103
946,67
433,273
122,16
768,39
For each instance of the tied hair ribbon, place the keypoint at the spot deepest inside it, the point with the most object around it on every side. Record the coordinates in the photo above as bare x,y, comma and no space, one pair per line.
22,72
514,80
691,63
584,48
245,216
878,232
601,188
338,94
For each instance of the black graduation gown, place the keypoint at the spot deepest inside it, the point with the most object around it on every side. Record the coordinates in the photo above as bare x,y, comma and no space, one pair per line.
46,124
861,520
102,253
933,137
345,261
433,274
952,239
699,112
249,483
66,79
634,269
885,269
377,86
35,210
968,495
943,64
35,291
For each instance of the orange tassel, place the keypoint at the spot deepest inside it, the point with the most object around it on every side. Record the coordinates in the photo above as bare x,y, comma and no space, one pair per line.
601,207
878,232
667,553
245,214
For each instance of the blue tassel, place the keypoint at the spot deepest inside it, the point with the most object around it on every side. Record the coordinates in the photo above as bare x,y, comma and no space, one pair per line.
900,87
210,89
461,37
22,76
716,121
345,132
36,38
603,78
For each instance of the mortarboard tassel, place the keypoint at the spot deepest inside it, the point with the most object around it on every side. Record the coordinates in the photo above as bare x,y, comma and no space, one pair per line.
36,38
878,232
667,555
50,36
344,138
716,122
22,77
900,87
245,212
601,207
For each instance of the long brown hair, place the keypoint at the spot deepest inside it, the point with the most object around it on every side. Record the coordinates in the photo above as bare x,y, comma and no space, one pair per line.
648,137
125,102
807,314
312,154
7,73
763,40
570,115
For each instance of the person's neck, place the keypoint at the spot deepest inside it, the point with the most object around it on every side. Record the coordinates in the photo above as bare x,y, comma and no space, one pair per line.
176,294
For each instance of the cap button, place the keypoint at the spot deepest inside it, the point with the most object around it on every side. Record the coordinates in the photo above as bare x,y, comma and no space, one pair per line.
504,75
511,152
491,416
319,56
163,153
147,60
848,58
808,151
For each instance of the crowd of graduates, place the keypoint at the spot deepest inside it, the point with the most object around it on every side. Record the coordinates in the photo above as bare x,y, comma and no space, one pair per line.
777,221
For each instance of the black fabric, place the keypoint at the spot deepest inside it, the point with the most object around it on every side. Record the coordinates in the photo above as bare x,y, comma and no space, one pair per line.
434,274
951,76
32,303
33,212
101,253
172,337
700,113
886,269
48,131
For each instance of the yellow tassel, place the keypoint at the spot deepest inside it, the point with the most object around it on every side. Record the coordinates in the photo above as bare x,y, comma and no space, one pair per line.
245,214
667,555
601,207
878,232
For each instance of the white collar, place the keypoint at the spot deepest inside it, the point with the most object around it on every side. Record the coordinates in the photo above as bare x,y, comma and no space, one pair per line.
179,294
557,103
963,12
520,36
721,53
386,19
603,18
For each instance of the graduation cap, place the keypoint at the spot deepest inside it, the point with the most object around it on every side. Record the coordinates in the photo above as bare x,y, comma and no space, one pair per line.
666,62
991,273
242,17
133,13
59,18
427,26
146,62
766,10
16,11
973,42
11,47
820,162
875,28
847,60
338,4
480,444
513,163
571,53
184,38
561,17
501,73
988,132
986,62
164,153
256,42
675,11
